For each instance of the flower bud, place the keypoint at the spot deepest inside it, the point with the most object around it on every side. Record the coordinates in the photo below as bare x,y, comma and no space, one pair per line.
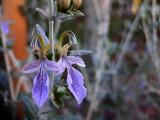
64,4
77,3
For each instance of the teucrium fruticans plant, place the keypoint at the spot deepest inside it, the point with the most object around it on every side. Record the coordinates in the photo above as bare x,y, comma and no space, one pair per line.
42,46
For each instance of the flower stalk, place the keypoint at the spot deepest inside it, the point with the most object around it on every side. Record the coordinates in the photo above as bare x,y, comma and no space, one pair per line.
52,9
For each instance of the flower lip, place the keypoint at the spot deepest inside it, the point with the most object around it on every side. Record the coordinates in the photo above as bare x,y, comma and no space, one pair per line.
40,90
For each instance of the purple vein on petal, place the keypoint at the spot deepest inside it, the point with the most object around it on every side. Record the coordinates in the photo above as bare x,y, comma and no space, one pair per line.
75,84
32,67
61,65
75,60
40,89
53,66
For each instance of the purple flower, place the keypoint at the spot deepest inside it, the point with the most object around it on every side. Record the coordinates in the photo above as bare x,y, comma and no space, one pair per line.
40,90
75,79
5,27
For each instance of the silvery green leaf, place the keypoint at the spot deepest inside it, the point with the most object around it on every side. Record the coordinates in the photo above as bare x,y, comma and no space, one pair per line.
63,16
77,13
67,16
60,94
61,89
80,52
